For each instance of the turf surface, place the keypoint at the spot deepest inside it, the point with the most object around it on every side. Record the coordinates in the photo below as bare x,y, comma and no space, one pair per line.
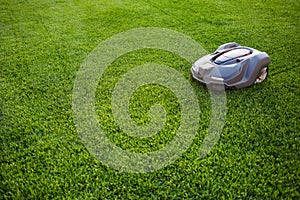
43,43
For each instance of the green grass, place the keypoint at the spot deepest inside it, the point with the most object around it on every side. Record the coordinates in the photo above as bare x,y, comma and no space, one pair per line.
43,43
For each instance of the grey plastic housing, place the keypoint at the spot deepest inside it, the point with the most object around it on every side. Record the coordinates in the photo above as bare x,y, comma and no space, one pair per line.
238,72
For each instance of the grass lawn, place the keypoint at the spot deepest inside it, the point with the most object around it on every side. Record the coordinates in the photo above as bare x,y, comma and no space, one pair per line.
42,45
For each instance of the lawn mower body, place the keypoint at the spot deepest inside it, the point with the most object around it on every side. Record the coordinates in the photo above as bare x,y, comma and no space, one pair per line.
232,66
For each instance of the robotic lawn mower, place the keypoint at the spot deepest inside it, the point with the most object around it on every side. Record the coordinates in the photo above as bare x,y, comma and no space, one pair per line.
233,66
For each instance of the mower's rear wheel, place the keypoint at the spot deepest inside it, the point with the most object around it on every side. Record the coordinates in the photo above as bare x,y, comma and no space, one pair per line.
263,74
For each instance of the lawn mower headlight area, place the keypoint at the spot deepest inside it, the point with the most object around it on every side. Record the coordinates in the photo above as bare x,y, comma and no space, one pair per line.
233,66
